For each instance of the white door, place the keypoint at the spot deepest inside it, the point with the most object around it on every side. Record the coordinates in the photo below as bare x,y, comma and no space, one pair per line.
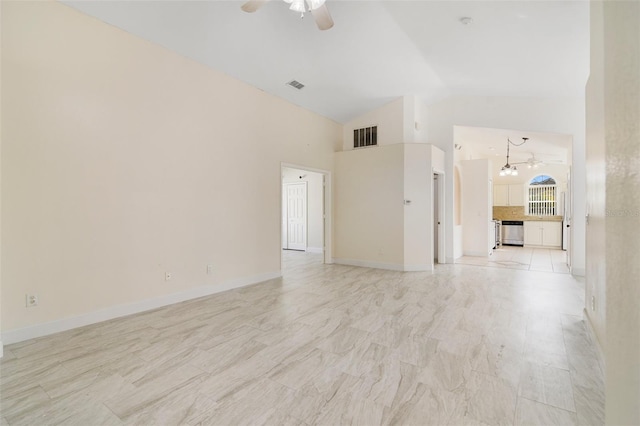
296,215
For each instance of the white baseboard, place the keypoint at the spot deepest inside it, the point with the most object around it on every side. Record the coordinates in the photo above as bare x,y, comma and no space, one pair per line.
382,265
476,254
318,250
418,268
1,349
368,264
594,338
578,272
39,330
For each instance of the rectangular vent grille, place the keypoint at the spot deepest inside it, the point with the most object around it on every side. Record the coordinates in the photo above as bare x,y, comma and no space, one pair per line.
295,84
366,136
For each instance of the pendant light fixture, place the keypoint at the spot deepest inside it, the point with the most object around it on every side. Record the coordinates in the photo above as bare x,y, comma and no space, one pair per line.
508,169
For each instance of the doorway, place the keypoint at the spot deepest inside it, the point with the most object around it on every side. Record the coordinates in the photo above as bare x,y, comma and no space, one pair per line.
306,212
438,218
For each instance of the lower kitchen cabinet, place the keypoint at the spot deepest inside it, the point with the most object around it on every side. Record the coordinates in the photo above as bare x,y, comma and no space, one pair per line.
541,233
532,233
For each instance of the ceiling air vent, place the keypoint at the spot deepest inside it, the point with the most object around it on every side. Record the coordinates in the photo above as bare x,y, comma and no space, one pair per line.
295,84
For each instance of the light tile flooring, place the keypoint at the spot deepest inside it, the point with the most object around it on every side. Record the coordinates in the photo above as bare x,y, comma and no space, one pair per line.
524,258
327,345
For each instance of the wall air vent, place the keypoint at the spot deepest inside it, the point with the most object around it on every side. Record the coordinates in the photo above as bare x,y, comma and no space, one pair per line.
366,136
295,84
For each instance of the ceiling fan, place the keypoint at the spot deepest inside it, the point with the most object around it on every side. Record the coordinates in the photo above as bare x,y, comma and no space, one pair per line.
533,163
318,10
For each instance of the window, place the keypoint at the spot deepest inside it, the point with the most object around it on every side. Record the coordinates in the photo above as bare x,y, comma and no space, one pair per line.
367,136
542,196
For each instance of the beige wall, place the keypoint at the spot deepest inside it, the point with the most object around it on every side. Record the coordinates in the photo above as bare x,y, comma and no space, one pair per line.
613,108
418,216
122,160
476,206
368,209
390,121
420,163
1,344
595,287
373,225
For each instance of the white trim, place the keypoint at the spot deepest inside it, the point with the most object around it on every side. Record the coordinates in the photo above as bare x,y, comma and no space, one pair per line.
382,265
44,329
578,272
1,349
318,250
594,338
476,254
368,264
418,268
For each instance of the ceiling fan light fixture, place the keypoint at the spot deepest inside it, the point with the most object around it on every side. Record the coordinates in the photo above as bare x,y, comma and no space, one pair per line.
318,9
314,4
298,6
515,171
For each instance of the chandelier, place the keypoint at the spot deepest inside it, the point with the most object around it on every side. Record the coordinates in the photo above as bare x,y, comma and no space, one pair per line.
509,169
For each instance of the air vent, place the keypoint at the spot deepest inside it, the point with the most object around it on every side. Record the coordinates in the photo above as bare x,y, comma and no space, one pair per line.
366,136
295,84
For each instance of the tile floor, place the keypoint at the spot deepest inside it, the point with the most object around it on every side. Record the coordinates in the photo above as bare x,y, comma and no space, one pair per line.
326,345
524,258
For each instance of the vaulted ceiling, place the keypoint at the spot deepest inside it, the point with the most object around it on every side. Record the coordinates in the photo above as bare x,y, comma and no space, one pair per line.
377,51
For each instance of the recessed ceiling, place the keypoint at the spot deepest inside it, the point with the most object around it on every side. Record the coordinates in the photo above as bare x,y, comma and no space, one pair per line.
377,51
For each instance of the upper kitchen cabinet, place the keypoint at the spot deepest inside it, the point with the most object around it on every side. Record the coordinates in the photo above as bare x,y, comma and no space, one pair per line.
508,195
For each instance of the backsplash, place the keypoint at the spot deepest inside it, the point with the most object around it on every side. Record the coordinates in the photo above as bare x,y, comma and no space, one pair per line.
517,213
508,212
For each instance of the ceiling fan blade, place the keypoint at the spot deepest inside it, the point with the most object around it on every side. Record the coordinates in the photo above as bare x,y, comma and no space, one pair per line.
322,17
253,5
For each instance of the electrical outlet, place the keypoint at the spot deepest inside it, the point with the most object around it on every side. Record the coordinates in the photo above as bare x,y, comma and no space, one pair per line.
593,303
167,276
31,300
209,269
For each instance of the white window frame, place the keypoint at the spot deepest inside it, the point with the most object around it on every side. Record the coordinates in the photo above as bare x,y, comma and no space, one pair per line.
536,205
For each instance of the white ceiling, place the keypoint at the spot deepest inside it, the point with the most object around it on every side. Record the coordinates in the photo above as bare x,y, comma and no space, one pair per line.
552,148
377,51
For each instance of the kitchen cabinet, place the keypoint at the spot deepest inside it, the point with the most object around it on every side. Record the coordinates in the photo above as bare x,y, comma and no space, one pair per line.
508,195
543,233
552,234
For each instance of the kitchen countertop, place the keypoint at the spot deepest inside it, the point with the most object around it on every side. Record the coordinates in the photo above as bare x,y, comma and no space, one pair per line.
535,219
543,218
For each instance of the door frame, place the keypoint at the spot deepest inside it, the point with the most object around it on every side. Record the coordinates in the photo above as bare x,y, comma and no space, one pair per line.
441,254
327,234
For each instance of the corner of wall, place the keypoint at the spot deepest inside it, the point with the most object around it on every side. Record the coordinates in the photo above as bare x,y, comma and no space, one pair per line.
594,338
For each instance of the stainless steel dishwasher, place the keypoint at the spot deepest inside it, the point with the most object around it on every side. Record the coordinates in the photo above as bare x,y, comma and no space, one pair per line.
512,233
